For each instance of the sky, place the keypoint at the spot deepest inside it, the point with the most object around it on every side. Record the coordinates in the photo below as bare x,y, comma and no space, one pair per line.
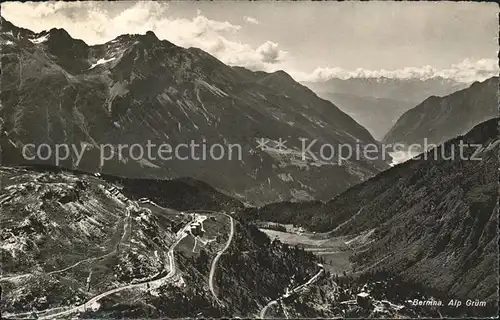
312,41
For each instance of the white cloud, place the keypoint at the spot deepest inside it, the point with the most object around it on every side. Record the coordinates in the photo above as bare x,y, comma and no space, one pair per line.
465,71
251,20
93,23
270,53
265,57
90,22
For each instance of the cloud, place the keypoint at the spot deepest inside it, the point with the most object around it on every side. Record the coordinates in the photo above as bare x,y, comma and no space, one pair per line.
265,57
270,53
465,71
98,22
95,24
251,20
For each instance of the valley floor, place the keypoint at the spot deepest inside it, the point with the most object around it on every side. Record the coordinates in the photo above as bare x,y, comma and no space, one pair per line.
335,251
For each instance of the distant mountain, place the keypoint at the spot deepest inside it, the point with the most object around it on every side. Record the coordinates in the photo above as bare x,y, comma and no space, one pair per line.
441,118
411,90
376,103
137,89
431,221
377,115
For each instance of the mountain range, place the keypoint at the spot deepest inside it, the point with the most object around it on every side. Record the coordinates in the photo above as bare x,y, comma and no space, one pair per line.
137,89
439,119
149,237
376,103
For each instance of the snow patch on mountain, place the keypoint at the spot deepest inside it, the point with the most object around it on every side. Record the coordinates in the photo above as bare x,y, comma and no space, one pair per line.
40,39
213,89
101,61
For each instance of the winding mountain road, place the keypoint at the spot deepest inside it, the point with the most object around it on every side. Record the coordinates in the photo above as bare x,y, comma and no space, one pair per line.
264,310
181,234
126,221
171,273
294,291
217,257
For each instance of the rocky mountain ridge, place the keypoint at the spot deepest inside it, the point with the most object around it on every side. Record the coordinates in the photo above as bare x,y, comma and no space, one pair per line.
439,119
137,89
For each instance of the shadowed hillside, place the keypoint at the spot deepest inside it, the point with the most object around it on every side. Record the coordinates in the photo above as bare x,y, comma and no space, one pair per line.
431,221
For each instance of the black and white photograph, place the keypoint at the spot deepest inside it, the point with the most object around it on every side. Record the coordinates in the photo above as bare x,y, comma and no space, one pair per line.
249,159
